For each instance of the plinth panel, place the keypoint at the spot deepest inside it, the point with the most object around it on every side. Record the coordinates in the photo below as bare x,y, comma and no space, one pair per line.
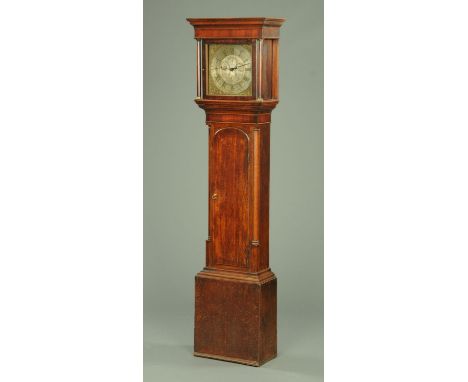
235,320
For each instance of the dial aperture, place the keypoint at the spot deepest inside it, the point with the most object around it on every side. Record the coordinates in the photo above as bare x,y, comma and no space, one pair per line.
230,69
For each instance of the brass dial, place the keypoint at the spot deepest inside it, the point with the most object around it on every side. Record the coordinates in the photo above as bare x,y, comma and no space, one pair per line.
230,70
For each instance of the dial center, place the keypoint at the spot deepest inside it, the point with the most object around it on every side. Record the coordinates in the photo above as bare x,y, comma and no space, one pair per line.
232,69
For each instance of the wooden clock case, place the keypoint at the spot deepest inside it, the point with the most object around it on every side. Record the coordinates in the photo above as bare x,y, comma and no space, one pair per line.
235,294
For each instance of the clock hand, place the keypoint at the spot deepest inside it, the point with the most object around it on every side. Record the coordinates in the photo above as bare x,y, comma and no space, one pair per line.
238,66
229,68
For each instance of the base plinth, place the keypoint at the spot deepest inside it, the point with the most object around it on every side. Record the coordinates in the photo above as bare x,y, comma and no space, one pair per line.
235,317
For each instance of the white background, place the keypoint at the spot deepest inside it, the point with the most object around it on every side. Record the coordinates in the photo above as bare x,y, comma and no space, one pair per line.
71,191
396,210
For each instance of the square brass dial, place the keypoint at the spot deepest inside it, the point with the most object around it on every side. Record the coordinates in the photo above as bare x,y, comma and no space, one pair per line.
229,70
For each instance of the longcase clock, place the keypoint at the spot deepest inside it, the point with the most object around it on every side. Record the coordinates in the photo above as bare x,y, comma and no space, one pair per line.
237,86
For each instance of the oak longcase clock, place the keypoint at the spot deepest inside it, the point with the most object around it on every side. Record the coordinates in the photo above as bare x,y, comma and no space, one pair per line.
237,86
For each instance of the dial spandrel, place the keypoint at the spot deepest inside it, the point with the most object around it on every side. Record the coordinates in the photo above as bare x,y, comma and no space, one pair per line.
230,70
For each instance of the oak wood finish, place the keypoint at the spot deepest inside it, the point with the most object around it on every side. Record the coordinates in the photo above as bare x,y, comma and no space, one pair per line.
235,293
